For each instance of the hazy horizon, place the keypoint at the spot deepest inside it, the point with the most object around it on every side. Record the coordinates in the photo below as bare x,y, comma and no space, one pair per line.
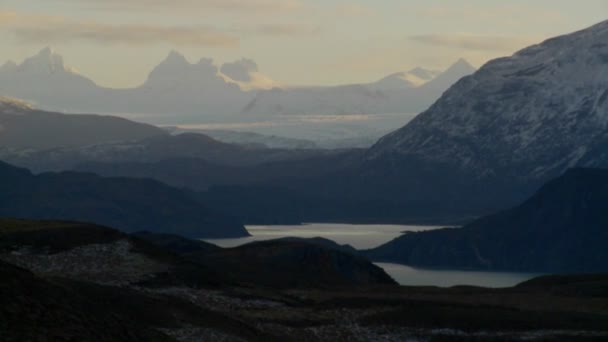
116,43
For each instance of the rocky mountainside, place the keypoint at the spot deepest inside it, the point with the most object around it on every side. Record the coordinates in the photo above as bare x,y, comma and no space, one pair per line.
562,228
520,119
127,204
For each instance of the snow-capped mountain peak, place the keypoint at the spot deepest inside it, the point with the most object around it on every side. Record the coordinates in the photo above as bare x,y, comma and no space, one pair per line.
13,106
539,112
424,74
407,79
246,74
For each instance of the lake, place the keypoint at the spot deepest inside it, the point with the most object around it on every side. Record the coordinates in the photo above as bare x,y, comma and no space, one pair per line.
370,236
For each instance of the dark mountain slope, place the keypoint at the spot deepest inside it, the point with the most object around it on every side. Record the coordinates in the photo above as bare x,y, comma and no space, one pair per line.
200,174
22,127
296,263
562,228
127,204
35,309
158,149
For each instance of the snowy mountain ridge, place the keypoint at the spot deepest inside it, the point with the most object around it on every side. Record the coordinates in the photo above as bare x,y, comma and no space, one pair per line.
537,112
177,91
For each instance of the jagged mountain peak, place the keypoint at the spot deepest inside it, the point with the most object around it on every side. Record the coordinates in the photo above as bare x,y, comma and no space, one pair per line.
176,69
46,60
461,65
175,58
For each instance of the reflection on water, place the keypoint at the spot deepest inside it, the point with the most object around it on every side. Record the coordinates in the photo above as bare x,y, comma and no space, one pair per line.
363,236
410,276
370,236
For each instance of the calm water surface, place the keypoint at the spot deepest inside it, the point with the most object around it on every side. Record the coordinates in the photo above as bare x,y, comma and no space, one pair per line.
370,236
358,236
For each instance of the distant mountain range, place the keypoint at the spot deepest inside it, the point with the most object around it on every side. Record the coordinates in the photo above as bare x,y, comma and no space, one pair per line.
249,138
562,228
178,91
409,92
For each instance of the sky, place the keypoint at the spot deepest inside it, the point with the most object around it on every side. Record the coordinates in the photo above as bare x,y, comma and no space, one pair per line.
295,42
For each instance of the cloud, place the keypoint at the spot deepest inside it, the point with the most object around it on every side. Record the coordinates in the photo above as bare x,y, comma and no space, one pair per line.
354,10
258,6
491,14
54,29
278,29
476,42
240,70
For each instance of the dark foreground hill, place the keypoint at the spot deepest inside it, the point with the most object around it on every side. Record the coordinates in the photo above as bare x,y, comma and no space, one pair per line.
562,228
127,204
66,281
286,263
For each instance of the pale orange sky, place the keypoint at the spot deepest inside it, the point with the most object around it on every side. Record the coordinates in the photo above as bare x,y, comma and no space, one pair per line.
117,42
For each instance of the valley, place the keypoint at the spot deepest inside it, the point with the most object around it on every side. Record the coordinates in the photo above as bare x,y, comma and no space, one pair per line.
212,202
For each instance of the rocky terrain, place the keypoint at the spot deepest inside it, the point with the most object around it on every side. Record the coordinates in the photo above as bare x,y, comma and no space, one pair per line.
77,281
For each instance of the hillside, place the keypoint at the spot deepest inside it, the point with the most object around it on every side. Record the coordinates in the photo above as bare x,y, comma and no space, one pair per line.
23,127
284,263
127,204
562,228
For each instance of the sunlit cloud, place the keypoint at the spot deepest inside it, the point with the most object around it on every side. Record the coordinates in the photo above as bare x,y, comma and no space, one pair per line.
257,6
476,42
53,29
